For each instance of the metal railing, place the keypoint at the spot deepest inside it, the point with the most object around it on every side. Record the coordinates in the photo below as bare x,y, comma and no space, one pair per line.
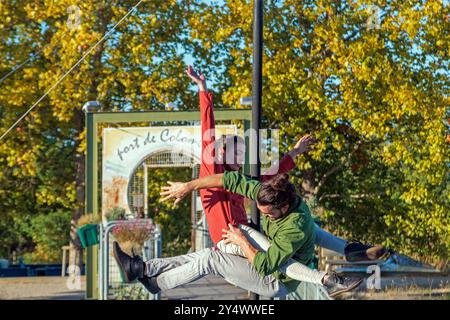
309,291
110,284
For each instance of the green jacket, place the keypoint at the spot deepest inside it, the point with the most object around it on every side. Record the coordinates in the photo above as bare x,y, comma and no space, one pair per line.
291,236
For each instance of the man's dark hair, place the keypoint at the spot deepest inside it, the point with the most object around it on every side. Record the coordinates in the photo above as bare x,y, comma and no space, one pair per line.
277,192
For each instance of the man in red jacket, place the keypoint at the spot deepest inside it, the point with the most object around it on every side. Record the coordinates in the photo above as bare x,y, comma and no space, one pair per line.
222,207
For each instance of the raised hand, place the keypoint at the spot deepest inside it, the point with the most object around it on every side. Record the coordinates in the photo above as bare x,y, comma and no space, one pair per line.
198,78
304,145
177,190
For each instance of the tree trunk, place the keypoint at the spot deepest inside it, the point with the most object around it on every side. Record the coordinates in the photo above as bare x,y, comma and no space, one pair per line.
308,184
76,253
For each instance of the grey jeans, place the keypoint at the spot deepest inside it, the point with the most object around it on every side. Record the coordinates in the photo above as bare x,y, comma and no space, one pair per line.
175,271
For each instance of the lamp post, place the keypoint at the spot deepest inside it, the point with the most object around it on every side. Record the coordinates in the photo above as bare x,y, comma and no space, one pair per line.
255,167
91,106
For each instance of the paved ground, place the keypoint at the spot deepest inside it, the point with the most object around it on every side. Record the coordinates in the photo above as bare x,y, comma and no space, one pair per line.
214,288
406,287
31,288
207,288
56,288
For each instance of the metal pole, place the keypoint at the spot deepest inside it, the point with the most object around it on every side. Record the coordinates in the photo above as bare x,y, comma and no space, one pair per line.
255,168
146,214
91,202
193,213
91,194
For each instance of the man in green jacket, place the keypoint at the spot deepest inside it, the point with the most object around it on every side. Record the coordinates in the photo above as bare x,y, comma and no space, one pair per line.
287,223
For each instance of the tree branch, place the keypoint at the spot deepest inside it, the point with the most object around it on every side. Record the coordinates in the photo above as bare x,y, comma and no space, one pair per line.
352,196
336,168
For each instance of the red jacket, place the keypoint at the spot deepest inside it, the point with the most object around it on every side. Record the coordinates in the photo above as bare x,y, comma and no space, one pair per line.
222,207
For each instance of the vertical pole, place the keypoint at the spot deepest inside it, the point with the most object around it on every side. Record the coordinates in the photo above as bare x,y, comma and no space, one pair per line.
193,212
146,214
256,101
158,253
255,168
63,267
100,263
91,204
248,143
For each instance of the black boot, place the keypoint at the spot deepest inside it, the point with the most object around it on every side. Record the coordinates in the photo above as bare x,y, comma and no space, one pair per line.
337,284
131,268
358,251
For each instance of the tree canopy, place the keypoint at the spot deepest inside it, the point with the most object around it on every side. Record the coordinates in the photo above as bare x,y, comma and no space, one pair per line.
368,78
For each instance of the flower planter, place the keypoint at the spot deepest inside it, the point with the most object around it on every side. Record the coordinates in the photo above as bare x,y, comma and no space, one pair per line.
88,235
131,247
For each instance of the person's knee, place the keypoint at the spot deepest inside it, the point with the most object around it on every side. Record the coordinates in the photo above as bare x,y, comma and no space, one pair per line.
206,253
205,261
216,262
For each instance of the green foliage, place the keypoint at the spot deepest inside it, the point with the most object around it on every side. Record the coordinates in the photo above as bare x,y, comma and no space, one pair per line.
116,213
140,67
49,232
13,236
88,219
375,97
131,292
175,221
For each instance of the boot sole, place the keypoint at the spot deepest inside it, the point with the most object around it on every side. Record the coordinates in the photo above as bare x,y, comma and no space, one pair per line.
370,254
148,287
357,284
123,275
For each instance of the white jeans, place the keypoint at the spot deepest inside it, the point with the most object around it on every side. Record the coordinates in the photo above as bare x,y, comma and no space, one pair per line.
328,241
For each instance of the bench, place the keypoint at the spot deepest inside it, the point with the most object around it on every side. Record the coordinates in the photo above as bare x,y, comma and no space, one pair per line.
330,259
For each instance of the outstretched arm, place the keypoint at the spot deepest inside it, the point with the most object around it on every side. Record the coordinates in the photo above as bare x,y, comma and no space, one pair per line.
232,181
207,165
198,78
179,190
